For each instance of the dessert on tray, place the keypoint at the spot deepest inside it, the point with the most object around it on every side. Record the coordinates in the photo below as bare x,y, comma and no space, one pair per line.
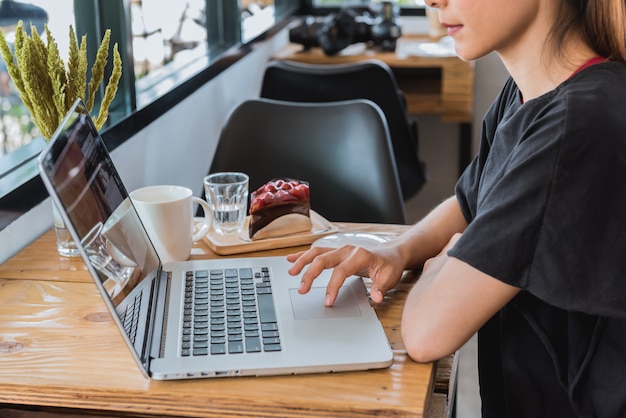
280,207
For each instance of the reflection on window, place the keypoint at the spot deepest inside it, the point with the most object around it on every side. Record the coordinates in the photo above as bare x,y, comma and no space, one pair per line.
16,127
256,17
168,37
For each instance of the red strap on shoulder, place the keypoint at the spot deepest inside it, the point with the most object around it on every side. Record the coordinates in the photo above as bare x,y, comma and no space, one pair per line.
589,63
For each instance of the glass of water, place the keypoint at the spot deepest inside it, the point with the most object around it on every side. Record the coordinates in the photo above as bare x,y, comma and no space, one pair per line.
227,195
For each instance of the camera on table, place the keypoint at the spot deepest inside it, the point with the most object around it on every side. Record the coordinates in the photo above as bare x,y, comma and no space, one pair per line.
339,30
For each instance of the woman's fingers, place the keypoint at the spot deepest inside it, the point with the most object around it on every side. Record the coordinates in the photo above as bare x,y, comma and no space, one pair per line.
377,294
303,258
350,261
323,260
345,262
314,261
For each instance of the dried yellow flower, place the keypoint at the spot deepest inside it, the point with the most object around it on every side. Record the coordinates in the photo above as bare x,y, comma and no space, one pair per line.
111,89
97,70
77,69
48,87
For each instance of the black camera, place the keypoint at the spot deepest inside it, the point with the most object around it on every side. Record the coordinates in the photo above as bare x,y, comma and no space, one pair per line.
338,30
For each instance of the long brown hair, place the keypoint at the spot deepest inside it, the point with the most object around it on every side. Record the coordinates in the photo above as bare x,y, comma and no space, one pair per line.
601,22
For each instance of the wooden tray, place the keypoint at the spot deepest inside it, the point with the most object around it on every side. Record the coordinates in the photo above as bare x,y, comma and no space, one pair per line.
241,243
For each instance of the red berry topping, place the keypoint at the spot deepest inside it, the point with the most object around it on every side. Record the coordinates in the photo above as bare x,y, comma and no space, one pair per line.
279,191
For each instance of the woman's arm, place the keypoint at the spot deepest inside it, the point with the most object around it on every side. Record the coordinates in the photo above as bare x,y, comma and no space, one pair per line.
447,305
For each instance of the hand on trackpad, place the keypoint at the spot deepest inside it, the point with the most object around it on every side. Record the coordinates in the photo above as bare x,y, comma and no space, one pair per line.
311,304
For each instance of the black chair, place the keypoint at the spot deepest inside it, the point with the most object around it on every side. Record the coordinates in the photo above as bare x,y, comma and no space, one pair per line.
370,79
341,148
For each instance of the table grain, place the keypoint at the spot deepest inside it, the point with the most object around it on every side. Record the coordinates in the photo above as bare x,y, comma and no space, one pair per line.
59,348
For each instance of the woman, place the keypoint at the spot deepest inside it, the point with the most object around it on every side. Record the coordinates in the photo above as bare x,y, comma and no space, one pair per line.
531,250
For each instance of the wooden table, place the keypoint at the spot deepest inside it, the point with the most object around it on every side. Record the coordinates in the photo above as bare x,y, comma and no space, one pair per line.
433,85
61,352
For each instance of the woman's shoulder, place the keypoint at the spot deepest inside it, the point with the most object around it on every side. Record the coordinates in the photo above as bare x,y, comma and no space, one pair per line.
597,97
592,100
606,81
617,68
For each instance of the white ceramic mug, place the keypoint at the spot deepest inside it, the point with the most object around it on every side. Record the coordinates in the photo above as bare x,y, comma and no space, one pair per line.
167,214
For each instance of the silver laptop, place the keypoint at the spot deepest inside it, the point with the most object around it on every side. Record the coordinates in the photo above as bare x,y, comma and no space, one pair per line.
199,318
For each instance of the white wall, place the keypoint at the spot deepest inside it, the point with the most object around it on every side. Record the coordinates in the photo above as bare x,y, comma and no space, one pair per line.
178,147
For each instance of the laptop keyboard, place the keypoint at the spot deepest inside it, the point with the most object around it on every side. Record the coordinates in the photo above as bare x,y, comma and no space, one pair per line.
229,311
130,317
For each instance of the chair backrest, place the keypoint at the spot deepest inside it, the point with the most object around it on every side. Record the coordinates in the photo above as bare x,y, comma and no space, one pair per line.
341,148
369,79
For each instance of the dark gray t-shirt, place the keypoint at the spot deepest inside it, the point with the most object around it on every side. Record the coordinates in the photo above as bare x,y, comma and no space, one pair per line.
545,199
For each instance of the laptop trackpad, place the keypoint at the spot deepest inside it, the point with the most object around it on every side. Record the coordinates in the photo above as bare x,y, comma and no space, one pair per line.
311,305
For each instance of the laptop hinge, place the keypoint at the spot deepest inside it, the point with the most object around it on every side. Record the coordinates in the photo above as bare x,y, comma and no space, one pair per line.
157,345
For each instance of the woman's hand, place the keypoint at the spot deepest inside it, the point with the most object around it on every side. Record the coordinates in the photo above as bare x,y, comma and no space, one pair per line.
382,264
385,263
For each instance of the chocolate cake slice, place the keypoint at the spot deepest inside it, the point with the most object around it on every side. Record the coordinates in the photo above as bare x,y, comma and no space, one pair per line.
280,207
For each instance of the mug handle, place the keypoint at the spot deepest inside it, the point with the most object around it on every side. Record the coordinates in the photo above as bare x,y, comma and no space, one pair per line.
208,219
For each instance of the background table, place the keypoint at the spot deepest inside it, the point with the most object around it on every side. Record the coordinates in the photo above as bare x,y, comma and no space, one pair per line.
61,352
433,85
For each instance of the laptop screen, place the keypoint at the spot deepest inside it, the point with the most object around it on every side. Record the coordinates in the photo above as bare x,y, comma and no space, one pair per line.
77,168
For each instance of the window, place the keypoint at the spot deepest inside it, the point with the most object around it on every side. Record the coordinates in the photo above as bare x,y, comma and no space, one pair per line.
256,17
16,127
167,39
162,44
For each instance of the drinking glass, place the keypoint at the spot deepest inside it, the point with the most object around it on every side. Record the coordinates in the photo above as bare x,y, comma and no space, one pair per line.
227,195
65,244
